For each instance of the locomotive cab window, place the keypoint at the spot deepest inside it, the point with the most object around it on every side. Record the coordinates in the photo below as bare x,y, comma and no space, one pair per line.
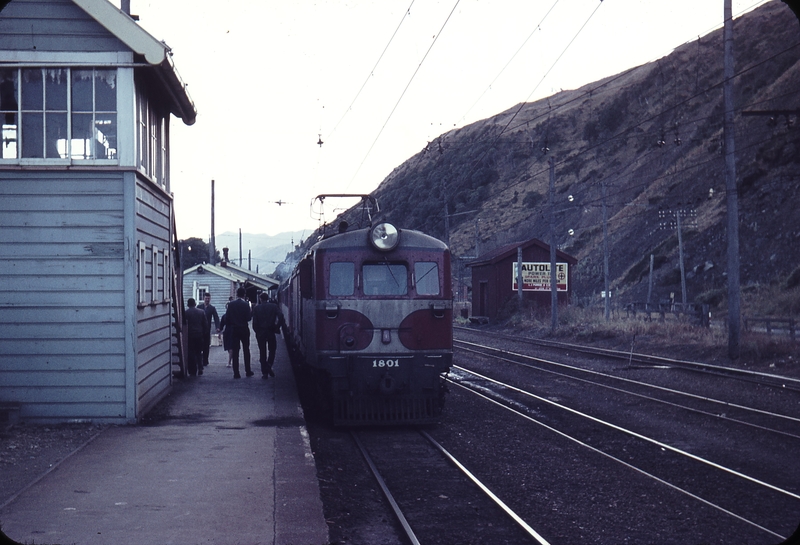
426,277
385,279
342,278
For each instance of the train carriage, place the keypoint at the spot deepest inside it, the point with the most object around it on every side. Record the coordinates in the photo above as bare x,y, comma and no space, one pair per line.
369,313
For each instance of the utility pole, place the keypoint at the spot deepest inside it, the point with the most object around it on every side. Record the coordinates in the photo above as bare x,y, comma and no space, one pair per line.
553,280
212,246
446,213
519,276
667,223
607,299
734,294
680,258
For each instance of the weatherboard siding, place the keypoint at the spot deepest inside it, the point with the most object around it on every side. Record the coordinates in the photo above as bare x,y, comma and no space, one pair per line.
153,221
55,25
62,294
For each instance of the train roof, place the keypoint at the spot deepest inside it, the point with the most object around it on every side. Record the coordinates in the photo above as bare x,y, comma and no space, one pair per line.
359,238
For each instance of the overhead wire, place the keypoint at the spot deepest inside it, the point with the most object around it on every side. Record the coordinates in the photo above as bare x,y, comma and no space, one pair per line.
536,28
400,98
372,72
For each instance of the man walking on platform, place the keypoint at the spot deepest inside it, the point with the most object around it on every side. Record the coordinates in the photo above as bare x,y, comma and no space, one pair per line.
196,329
237,318
267,321
211,313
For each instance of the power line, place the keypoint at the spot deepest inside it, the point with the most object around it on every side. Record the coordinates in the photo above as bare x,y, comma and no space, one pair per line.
536,28
404,92
372,72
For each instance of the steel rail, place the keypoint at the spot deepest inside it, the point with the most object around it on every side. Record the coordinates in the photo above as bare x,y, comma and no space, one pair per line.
690,395
516,518
647,359
620,461
396,508
637,435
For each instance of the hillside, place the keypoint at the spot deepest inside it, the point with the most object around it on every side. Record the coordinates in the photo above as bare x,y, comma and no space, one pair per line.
652,137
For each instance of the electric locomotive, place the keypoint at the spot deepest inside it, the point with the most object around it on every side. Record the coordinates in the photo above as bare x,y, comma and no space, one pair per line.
370,315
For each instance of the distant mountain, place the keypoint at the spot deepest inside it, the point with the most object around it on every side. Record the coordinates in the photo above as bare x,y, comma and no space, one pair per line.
636,148
262,252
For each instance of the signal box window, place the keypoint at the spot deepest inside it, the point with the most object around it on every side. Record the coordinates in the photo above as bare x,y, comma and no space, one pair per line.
426,276
342,279
385,279
58,113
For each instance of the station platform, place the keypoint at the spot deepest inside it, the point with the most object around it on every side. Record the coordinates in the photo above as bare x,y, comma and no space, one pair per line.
219,461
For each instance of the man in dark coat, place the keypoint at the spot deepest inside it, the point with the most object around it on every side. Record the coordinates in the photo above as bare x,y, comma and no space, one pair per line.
211,313
267,321
196,329
237,318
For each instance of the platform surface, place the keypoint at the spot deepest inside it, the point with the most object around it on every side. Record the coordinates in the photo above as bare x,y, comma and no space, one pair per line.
219,461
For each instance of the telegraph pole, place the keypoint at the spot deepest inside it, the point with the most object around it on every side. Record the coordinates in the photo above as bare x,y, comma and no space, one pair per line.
212,249
607,301
553,280
734,323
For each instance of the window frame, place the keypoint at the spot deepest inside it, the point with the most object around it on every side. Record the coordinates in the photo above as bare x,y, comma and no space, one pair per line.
23,113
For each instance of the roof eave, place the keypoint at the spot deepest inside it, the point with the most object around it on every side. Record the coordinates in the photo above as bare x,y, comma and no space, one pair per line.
155,52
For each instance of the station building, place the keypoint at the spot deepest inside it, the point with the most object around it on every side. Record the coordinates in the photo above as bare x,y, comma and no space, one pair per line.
89,295
494,277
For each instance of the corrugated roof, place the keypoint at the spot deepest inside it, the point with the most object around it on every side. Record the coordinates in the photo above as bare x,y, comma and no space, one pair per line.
501,253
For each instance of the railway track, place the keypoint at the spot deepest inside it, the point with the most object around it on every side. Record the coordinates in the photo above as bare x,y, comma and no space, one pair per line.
445,491
648,360
713,452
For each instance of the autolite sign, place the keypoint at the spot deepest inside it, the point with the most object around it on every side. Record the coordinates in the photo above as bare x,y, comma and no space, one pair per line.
536,276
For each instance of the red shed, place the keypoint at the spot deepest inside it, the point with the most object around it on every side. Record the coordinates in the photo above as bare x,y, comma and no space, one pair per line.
494,277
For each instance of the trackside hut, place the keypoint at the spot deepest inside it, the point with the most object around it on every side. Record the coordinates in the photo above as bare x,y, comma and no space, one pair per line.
222,281
87,274
494,277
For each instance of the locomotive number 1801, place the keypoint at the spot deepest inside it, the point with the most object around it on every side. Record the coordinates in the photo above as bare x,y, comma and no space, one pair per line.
386,363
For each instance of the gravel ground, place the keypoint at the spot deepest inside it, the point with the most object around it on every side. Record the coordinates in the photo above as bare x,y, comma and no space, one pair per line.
27,452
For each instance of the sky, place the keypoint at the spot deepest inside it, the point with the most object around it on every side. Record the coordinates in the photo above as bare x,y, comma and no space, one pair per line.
375,80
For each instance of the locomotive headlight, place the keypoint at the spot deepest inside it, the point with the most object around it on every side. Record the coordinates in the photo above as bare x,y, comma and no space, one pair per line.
384,237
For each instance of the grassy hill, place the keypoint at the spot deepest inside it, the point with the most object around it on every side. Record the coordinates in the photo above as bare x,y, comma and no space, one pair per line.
650,139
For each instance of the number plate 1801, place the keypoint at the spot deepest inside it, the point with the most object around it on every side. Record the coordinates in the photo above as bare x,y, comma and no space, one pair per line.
386,363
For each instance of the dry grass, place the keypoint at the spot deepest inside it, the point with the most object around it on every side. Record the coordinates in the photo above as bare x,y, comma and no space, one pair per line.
674,336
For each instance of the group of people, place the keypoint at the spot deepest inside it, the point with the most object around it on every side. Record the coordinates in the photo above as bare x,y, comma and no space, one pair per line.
267,321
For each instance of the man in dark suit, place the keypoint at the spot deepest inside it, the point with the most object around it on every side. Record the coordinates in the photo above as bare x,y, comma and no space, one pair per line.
211,313
196,329
267,321
237,318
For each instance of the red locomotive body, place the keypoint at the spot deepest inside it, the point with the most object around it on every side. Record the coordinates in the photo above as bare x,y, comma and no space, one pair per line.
370,313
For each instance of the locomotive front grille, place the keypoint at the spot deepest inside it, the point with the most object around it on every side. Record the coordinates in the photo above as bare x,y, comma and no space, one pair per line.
382,410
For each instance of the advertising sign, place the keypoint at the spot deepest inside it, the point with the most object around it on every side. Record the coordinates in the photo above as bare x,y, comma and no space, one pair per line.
536,276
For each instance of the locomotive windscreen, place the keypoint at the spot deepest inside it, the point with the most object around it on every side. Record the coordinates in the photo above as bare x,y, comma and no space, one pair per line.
385,279
426,274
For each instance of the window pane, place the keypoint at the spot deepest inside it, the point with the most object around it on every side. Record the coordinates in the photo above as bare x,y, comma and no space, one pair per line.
56,89
342,279
105,89
56,135
82,91
385,279
32,97
32,134
106,134
8,114
426,274
81,136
